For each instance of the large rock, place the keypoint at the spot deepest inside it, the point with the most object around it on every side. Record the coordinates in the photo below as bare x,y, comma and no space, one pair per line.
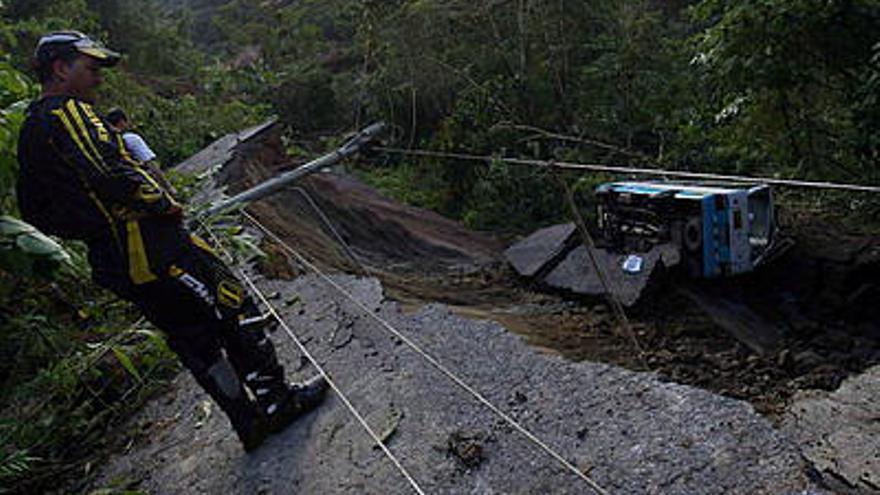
541,250
578,274
839,432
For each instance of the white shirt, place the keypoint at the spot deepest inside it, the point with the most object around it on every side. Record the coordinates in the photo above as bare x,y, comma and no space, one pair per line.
137,147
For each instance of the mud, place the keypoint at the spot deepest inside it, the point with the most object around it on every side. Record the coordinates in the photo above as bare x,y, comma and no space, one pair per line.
823,295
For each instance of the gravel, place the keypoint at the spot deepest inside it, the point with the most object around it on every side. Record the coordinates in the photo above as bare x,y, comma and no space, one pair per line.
629,432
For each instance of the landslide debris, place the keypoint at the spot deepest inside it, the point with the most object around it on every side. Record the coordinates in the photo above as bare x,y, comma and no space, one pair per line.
629,431
680,439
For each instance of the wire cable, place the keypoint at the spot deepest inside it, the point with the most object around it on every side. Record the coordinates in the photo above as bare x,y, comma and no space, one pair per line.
637,170
320,369
430,359
327,223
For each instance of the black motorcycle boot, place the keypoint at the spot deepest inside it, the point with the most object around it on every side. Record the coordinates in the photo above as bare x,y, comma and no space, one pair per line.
262,374
222,384
264,323
293,401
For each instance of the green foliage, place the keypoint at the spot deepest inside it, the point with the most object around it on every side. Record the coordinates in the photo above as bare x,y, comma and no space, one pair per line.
25,251
471,77
235,241
409,183
152,41
13,463
513,198
295,57
787,85
15,89
186,185
176,128
22,22
492,77
66,379
761,87
126,362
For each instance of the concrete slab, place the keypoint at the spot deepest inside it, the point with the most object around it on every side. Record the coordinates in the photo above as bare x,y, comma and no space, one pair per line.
540,249
839,431
739,320
220,151
577,274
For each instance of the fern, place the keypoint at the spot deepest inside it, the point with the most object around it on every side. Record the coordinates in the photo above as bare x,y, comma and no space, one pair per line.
14,462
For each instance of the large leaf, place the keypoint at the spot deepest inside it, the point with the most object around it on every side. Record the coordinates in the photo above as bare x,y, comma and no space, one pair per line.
11,227
30,240
13,85
27,251
126,362
38,244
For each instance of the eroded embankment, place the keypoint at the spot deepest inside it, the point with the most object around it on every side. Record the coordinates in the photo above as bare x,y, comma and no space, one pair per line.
421,257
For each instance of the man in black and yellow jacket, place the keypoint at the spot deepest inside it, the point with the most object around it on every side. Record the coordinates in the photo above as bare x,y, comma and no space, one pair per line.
77,181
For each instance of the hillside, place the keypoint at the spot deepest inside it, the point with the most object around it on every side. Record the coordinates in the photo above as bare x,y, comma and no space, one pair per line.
781,359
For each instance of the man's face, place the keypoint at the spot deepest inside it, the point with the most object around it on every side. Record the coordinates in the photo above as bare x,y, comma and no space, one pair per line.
80,78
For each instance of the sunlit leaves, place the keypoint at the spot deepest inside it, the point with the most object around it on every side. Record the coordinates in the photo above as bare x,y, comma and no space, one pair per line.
800,74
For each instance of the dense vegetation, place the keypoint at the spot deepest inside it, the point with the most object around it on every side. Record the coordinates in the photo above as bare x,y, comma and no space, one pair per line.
75,360
775,87
785,88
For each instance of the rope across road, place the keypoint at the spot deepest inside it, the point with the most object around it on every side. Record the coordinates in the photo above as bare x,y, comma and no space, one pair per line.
683,174
354,412
293,254
388,327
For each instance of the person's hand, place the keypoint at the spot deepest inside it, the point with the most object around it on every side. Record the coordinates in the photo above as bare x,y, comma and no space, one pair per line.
175,210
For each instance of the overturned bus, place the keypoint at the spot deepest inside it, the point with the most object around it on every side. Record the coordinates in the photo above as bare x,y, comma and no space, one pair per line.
647,229
718,231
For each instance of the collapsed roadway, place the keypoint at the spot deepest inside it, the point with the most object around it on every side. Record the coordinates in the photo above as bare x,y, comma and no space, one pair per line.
623,431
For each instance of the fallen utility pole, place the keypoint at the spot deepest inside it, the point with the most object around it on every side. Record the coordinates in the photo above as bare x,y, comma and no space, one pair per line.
273,185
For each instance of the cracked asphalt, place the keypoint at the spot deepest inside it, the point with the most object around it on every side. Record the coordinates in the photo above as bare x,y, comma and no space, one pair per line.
628,431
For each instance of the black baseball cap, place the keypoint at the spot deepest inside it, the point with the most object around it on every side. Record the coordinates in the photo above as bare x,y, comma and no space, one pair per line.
56,44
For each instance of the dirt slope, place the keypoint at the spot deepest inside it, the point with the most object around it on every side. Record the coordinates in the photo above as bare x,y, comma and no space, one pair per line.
633,432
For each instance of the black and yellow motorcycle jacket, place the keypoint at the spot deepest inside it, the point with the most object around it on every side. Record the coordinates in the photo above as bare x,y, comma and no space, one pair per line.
77,181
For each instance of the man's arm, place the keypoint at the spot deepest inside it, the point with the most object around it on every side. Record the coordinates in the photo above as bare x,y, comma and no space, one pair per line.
99,158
